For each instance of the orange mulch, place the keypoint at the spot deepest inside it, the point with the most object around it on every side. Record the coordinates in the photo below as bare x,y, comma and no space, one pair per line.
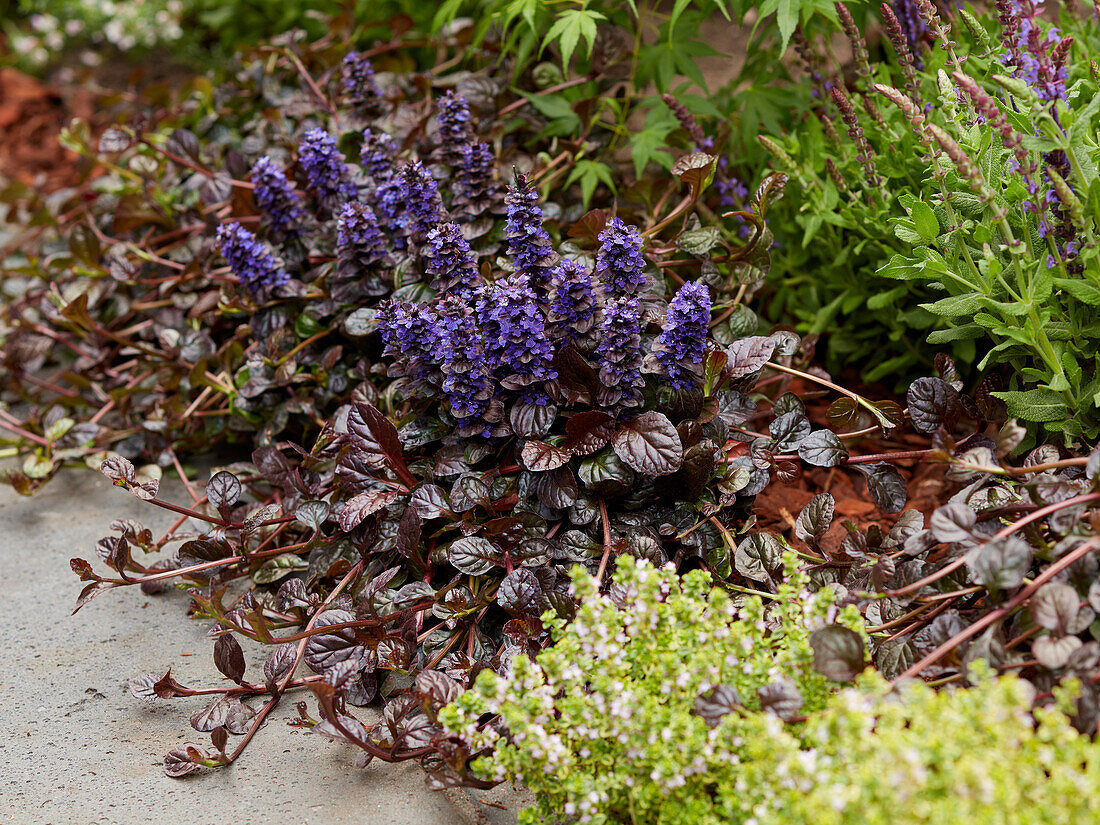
32,114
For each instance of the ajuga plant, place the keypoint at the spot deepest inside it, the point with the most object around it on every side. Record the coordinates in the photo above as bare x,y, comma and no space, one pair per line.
547,411
663,703
952,186
546,404
242,268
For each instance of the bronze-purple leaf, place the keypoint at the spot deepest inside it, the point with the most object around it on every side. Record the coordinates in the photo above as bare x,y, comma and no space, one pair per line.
363,505
838,653
716,703
229,658
90,592
179,762
747,355
587,432
538,456
223,490
885,485
932,403
649,444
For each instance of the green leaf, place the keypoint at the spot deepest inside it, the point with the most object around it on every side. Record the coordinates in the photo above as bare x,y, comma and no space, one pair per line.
1033,405
569,28
955,306
591,173
563,120
1083,291
925,220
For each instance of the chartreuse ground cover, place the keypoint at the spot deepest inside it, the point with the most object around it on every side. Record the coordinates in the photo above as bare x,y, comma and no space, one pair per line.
492,396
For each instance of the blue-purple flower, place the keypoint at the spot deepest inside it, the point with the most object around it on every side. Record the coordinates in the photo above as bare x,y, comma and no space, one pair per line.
912,26
376,155
619,260
516,342
421,195
455,126
360,87
411,335
467,378
276,197
528,243
391,207
619,351
358,239
451,264
681,345
1037,55
250,260
327,172
474,180
572,304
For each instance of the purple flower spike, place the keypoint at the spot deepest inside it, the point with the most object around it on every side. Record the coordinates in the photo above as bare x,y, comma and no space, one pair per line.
620,261
450,262
359,241
410,333
467,379
619,352
249,259
421,195
276,197
376,155
528,244
475,172
360,87
682,343
516,342
455,126
325,169
572,305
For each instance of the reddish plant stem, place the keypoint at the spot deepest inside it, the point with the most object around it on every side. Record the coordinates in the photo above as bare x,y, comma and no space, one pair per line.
282,686
606,542
1002,612
519,104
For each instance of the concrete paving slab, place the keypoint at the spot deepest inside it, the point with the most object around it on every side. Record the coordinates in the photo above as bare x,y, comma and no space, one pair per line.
76,747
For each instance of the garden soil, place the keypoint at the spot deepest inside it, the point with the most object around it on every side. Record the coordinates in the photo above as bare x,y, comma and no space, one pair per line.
77,748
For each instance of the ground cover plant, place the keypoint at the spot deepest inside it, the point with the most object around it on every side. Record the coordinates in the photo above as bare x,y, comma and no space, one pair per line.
460,356
661,703
176,182
959,166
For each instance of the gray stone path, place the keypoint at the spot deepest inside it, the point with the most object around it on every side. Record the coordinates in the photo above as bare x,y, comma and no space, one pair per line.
75,747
